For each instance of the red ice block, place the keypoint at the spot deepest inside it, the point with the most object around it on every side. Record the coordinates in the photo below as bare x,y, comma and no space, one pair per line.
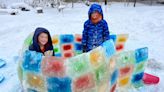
84,82
78,37
67,47
150,79
113,88
68,54
119,47
53,67
125,70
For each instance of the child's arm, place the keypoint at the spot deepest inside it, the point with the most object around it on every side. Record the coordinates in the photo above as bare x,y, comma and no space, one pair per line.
106,31
84,38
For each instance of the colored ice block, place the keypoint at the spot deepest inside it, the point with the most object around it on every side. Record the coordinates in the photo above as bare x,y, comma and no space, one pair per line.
35,81
122,38
55,40
66,38
141,54
66,47
113,88
124,81
55,84
109,48
78,38
113,37
139,67
137,79
78,66
68,54
101,74
53,67
78,47
119,46
84,83
32,61
127,70
97,56
114,77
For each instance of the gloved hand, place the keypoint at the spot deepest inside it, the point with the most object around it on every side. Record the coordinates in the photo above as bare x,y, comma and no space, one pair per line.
84,48
48,53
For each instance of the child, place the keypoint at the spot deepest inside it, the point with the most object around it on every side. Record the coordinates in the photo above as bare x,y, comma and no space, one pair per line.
42,42
95,29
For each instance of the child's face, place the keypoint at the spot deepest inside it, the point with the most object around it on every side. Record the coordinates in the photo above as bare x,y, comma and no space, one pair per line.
96,17
43,39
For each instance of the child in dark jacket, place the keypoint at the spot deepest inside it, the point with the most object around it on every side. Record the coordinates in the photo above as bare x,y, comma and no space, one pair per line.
42,42
95,29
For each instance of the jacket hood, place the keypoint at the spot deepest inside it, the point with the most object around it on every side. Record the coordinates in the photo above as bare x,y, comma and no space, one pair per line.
93,8
35,45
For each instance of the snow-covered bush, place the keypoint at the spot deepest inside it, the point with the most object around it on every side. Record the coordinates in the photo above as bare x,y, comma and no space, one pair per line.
9,11
43,3
22,6
39,9
2,5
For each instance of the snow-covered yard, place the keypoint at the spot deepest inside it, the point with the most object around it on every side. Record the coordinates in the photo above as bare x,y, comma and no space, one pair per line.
144,24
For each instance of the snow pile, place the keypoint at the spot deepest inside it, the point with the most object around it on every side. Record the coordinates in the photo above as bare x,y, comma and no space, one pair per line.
9,11
61,7
20,6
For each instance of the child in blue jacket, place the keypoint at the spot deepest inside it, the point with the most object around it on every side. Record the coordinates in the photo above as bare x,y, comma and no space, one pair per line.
95,29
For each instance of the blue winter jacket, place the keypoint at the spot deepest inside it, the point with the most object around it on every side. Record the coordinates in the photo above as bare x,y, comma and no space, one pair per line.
35,46
94,34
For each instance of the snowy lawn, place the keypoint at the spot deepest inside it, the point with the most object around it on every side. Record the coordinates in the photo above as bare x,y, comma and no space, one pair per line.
144,24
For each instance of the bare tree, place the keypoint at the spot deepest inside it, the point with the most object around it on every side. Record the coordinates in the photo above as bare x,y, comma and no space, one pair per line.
2,4
36,3
135,3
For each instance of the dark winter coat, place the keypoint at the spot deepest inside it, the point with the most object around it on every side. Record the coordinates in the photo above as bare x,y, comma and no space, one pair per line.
35,45
94,34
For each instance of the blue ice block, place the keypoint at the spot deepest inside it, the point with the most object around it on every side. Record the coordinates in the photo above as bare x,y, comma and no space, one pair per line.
32,61
55,84
109,48
66,39
114,77
78,47
141,54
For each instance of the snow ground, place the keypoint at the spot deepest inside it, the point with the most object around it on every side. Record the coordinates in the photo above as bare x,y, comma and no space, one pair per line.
144,24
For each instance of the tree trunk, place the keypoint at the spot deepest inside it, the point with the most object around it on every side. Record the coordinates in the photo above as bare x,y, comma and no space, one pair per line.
135,3
72,3
106,2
